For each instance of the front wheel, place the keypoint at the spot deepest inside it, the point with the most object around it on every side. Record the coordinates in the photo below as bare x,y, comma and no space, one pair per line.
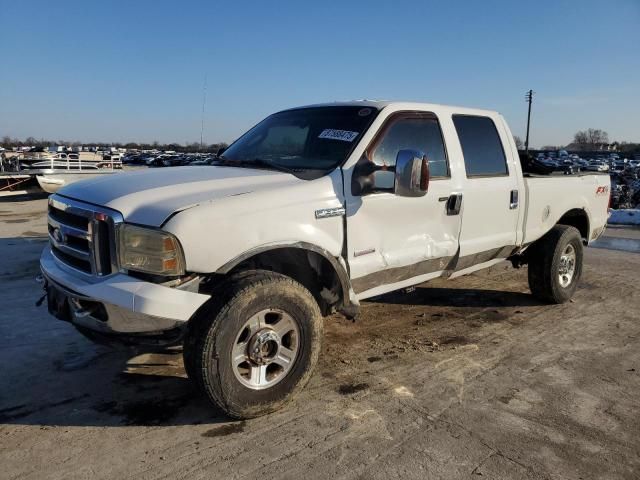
555,264
254,347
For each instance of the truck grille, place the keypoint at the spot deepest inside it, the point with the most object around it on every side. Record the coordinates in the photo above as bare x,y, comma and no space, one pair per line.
82,236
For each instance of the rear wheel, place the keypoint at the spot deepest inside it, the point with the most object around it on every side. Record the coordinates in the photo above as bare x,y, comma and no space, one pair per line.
254,347
555,264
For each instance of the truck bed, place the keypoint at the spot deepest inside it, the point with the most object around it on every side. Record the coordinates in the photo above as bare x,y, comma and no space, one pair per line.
549,197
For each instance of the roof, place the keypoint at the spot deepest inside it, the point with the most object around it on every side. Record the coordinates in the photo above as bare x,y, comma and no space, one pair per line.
400,105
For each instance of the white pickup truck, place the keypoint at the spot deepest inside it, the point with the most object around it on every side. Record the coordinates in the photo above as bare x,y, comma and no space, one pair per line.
310,212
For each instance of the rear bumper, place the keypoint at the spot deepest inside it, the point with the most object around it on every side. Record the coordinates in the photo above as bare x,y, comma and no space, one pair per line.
117,304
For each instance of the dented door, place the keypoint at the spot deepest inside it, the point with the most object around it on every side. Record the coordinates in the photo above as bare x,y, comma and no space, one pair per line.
395,241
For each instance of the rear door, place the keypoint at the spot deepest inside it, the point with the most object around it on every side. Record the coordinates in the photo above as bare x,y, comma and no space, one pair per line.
395,241
491,197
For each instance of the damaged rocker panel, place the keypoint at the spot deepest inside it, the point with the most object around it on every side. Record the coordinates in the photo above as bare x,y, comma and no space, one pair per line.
485,256
449,264
398,274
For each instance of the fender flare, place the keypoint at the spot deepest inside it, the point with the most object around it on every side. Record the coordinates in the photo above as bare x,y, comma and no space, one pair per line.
337,263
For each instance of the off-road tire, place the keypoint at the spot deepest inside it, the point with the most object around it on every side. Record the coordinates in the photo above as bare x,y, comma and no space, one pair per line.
212,333
544,264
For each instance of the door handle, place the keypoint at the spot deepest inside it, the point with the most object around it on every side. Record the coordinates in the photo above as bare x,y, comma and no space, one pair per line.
454,204
513,200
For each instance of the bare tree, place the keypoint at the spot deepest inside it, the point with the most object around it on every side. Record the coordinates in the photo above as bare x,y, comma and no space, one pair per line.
519,142
590,139
581,138
597,136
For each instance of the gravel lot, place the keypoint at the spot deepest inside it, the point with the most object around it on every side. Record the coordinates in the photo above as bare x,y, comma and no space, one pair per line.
455,380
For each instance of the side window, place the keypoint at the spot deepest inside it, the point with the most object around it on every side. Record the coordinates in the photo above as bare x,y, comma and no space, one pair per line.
415,132
481,146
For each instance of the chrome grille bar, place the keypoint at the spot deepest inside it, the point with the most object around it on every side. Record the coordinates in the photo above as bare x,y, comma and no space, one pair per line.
82,236
80,254
69,230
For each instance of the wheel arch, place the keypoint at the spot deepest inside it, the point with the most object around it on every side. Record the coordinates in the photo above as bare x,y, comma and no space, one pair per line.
578,218
575,217
323,274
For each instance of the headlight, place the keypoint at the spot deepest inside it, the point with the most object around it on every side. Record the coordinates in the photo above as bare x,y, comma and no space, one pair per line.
150,251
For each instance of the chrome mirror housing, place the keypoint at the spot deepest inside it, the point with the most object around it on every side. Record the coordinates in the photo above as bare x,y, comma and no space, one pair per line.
411,174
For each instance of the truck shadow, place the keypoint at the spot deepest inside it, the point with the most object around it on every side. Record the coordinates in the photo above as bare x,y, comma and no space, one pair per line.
155,399
53,376
105,388
458,297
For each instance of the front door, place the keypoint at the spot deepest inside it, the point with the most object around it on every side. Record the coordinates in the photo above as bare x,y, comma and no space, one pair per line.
395,241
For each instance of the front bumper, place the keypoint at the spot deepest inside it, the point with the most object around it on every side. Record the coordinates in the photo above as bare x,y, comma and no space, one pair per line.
117,304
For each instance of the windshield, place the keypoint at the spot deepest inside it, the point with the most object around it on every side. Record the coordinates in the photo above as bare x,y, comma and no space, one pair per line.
317,139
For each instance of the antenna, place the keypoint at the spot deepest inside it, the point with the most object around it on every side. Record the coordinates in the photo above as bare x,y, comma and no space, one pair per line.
204,101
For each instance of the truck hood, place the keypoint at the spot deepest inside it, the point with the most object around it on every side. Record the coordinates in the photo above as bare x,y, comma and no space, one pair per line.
150,197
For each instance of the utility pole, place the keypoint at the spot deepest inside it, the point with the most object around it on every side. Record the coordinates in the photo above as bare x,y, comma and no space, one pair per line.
529,98
204,101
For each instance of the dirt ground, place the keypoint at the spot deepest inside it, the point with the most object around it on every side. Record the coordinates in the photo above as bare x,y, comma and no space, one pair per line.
458,379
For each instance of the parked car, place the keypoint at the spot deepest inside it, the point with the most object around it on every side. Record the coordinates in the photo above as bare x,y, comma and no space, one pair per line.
550,163
313,211
595,166
581,162
617,167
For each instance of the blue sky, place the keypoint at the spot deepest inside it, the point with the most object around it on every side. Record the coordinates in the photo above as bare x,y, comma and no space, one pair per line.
134,70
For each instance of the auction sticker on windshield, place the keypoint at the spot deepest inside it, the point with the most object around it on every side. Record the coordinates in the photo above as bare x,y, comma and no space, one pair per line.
343,135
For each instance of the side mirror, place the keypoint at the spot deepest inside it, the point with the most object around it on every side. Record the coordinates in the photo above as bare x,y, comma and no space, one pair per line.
370,178
412,174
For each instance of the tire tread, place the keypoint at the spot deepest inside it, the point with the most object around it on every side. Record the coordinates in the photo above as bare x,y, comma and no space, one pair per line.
202,336
544,254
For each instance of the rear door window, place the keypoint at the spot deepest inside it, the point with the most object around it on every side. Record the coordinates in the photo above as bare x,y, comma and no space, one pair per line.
481,146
